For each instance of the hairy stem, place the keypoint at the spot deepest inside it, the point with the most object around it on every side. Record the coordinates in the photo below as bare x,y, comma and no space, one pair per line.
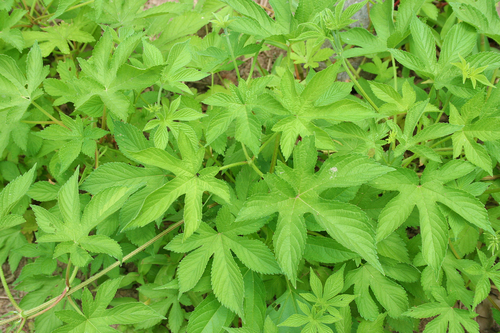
232,54
58,122
275,152
7,291
250,161
35,312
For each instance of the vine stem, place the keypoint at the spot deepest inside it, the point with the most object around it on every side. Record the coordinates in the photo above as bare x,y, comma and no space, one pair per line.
67,10
493,190
490,88
232,165
338,48
395,70
20,329
7,291
356,83
232,54
58,122
38,122
32,313
275,152
250,161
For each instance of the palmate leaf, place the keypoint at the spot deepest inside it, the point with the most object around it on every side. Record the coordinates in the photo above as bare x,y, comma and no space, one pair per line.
426,196
326,297
255,20
78,137
209,316
11,195
483,16
476,125
97,318
8,34
192,180
449,318
18,91
107,78
226,277
295,192
120,174
483,273
240,106
389,34
73,229
389,293
302,110
59,35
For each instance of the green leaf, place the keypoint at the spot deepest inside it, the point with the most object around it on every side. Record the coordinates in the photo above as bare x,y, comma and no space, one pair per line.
448,317
227,281
104,204
101,244
225,273
44,191
35,71
424,45
15,191
69,200
433,224
120,174
97,318
254,304
190,181
295,192
390,294
209,315
302,110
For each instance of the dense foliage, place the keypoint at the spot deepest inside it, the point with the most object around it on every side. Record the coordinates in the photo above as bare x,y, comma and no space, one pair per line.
145,188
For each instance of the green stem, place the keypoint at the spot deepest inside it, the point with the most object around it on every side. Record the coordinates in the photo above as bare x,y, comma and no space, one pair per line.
358,86
51,303
275,152
266,143
440,141
395,72
68,267
38,122
490,88
438,119
359,68
7,291
409,160
232,165
493,190
246,162
255,59
20,329
33,8
353,70
232,55
73,304
158,99
338,48
224,169
58,122
85,45
250,161
73,275
104,117
67,10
